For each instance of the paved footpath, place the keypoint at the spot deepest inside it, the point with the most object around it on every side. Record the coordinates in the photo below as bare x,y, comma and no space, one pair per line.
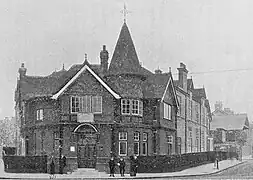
92,174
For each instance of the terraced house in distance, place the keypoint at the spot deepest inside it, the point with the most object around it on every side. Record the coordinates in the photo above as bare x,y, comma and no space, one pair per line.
91,112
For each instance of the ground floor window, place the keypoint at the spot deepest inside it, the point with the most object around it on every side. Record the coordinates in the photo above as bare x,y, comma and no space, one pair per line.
189,144
154,142
136,143
26,145
144,148
42,141
35,139
122,148
144,144
56,137
179,145
170,142
136,148
169,149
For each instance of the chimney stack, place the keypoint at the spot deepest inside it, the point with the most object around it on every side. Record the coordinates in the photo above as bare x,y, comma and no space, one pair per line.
158,71
22,71
218,105
104,56
182,76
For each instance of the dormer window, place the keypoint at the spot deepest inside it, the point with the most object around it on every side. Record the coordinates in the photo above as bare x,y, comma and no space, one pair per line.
131,107
39,114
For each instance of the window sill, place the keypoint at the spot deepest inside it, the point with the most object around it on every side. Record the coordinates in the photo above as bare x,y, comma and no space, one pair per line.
122,155
135,115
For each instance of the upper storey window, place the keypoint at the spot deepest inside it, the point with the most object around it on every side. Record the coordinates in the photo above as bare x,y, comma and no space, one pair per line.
131,107
39,114
86,104
167,111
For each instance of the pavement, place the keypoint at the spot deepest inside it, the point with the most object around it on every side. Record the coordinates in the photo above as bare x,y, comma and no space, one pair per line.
86,173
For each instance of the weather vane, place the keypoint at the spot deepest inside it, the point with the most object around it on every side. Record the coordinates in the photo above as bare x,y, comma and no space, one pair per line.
125,12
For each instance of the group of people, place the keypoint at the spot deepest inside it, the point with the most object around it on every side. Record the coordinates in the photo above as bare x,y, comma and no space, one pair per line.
112,164
62,165
121,163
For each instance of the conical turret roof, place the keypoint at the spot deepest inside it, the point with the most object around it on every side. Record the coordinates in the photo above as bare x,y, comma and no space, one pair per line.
125,59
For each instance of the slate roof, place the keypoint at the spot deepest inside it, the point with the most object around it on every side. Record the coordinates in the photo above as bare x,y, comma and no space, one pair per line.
155,85
125,59
200,92
230,122
32,86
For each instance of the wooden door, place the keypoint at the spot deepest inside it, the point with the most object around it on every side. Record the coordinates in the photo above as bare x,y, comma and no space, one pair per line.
87,156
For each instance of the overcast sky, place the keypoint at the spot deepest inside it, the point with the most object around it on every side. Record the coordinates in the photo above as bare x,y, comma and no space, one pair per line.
207,35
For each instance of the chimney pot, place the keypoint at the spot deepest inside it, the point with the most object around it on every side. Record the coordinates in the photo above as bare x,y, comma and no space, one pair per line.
22,70
182,65
104,47
158,71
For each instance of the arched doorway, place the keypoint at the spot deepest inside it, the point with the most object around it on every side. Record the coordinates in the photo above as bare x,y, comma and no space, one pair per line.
87,136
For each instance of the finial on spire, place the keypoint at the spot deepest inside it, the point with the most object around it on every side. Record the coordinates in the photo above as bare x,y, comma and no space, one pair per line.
125,12
63,68
170,69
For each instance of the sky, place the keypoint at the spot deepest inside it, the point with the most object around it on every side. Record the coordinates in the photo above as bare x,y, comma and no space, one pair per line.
206,35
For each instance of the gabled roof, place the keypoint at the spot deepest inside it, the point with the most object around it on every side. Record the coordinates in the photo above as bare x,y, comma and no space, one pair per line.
230,122
125,59
199,93
156,86
84,68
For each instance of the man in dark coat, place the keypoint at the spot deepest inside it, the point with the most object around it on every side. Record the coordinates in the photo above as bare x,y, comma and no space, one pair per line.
134,165
111,166
122,165
52,169
62,163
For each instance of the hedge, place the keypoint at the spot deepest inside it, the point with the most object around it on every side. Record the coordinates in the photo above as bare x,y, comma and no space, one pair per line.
172,163
25,164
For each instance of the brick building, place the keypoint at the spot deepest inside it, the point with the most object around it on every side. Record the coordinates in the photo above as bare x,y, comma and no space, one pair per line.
194,115
229,129
93,111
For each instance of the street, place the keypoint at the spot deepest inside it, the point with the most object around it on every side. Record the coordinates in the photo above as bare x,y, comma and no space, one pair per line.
242,171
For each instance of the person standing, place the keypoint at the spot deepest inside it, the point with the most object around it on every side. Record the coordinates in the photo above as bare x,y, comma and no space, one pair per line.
111,166
62,163
122,165
134,165
52,169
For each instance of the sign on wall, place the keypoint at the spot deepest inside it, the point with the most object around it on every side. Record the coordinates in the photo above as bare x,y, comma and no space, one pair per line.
85,117
72,148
